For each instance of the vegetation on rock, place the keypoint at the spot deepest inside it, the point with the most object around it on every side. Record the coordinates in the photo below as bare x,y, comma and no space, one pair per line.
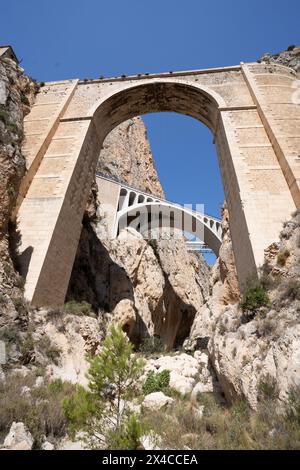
158,382
102,411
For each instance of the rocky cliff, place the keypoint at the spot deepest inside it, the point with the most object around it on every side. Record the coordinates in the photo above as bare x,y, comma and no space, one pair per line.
17,93
290,58
151,288
126,156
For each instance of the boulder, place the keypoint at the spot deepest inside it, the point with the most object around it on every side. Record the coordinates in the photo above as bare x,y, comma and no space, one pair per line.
151,441
47,446
18,438
156,401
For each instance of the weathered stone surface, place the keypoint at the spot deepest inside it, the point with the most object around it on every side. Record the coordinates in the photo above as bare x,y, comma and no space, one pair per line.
15,90
47,446
289,58
151,441
223,291
185,371
18,438
68,444
73,337
126,156
244,353
156,401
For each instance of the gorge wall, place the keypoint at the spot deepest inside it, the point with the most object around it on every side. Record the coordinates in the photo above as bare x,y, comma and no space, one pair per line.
17,93
152,288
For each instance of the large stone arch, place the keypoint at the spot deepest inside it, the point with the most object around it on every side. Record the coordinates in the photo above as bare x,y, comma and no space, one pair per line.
257,171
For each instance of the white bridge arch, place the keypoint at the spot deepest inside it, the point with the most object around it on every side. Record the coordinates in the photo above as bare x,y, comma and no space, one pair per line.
141,211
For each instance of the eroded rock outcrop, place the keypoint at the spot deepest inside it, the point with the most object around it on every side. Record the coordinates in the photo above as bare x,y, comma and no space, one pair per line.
223,291
19,438
290,58
127,157
249,351
17,93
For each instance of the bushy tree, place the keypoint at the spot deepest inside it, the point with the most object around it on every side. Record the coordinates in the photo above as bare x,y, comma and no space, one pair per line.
254,297
102,410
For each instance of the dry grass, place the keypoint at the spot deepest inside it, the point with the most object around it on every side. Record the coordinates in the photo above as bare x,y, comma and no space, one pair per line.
38,407
235,427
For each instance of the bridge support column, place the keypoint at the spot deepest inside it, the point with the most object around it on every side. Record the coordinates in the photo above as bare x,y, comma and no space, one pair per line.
50,216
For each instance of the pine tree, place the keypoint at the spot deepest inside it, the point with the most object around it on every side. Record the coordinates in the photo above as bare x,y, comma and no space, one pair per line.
102,410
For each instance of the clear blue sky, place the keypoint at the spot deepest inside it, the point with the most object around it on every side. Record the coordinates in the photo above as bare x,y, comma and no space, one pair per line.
88,38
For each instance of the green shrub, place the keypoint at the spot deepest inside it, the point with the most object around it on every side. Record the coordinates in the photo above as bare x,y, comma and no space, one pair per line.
254,298
293,406
78,308
77,408
156,382
3,116
282,257
151,345
129,435
11,190
20,305
10,334
268,388
293,290
3,299
27,348
20,282
24,99
226,427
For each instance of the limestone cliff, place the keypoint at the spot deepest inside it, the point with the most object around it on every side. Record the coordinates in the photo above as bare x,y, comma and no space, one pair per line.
152,288
223,290
127,157
247,350
290,58
17,93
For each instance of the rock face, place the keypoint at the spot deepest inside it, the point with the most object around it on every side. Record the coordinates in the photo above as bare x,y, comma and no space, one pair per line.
289,58
150,288
61,343
16,95
127,157
156,401
19,438
247,352
223,291
188,374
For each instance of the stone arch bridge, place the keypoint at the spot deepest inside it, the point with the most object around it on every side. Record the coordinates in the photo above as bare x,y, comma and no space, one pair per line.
255,124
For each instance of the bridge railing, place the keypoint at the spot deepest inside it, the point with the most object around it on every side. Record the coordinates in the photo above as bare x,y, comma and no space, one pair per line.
159,199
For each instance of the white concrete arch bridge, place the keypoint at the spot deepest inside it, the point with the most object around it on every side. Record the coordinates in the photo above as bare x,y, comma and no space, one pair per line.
127,206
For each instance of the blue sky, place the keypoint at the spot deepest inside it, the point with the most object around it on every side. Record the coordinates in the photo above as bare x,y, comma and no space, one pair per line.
86,39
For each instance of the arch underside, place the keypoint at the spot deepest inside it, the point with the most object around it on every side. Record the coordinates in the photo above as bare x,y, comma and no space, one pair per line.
153,98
